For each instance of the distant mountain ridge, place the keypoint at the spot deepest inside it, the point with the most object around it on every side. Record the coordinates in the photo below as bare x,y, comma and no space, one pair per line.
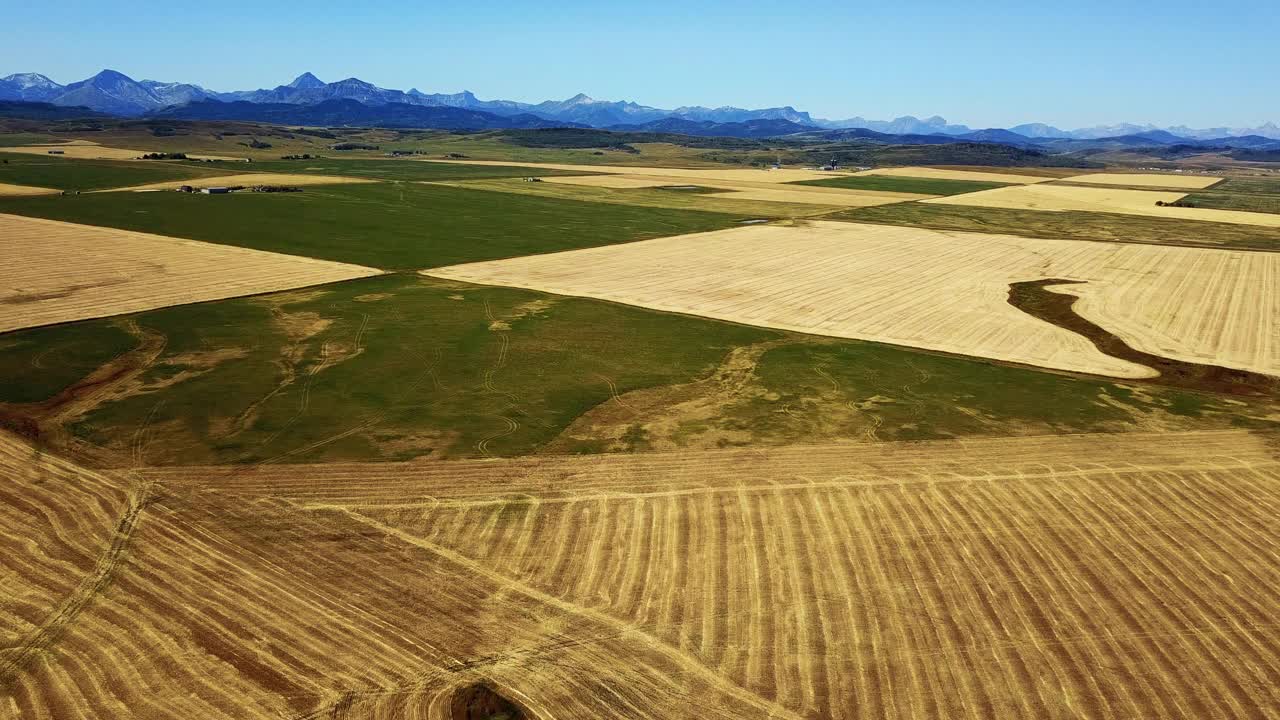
115,93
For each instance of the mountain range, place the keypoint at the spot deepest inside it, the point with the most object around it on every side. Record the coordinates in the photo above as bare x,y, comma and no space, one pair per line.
117,94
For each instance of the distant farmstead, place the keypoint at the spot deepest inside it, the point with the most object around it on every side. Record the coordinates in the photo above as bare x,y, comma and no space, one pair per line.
215,190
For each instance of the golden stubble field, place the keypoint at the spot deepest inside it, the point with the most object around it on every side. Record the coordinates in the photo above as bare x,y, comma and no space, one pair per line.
1168,180
8,190
60,272
1057,198
936,290
1113,576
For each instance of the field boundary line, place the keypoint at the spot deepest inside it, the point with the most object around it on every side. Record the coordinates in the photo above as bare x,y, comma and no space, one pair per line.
766,485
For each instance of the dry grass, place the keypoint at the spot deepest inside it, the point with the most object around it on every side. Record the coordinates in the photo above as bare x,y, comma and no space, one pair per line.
1109,577
249,180
78,151
948,174
7,190
59,272
1056,198
936,290
1160,180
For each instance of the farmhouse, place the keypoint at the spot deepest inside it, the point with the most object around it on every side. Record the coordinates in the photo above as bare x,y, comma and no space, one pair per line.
215,190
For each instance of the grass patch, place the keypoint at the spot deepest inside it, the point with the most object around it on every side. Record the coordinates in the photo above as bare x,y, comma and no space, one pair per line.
391,226
409,170
68,174
888,183
399,366
1067,225
39,363
430,366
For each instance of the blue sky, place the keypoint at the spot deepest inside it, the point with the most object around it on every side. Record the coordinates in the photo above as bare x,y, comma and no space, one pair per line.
986,64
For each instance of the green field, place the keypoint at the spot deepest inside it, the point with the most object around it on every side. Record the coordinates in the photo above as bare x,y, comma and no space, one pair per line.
1068,225
21,138
400,366
1247,194
922,186
1248,202
396,226
68,174
399,169
40,362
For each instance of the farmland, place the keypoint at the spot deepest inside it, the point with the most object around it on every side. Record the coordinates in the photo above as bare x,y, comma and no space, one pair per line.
390,226
90,174
59,272
663,435
717,565
739,275
1057,198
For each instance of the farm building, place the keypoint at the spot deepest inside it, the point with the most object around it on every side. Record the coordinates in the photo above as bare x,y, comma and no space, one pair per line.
215,190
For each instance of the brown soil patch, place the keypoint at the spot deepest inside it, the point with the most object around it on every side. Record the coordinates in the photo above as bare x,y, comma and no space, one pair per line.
1059,308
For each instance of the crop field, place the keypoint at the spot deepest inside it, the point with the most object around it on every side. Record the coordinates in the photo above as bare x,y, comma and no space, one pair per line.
1160,180
409,170
62,174
1057,198
7,190
1042,577
77,150
1068,224
707,199
858,281
687,174
891,183
747,190
60,272
393,226
399,367
250,179
1004,178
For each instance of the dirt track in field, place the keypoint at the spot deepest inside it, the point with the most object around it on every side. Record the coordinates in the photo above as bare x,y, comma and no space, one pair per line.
1097,576
61,272
937,290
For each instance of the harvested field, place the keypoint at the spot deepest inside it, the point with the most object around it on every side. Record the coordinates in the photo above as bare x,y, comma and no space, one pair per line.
1115,576
1162,180
78,150
686,174
749,189
250,180
946,174
60,272
866,282
1057,198
7,190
